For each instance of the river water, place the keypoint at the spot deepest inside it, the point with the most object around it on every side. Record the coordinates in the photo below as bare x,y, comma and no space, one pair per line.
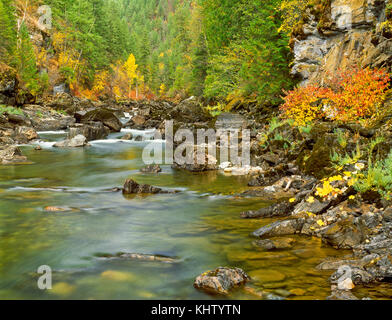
199,226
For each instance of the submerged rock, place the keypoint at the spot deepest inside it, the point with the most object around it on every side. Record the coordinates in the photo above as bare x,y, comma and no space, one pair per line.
132,187
76,142
139,257
151,169
56,209
201,163
221,280
275,244
341,295
276,210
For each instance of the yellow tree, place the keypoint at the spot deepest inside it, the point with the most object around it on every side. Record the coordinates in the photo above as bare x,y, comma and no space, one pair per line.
130,68
100,81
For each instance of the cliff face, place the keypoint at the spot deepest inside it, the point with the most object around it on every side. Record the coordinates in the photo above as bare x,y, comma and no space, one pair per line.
346,33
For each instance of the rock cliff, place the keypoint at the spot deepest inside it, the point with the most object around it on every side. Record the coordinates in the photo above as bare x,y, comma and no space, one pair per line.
341,33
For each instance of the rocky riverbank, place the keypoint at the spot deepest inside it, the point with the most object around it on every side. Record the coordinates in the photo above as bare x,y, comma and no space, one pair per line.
298,168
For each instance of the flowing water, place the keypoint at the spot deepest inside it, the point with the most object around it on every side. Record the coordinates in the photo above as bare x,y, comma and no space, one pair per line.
200,227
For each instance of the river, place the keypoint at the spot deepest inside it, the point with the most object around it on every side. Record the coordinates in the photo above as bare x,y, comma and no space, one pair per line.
200,226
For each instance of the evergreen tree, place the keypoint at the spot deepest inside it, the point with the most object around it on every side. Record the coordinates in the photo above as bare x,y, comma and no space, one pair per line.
26,62
7,30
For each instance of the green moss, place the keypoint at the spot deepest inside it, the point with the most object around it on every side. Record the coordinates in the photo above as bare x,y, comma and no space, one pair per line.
10,110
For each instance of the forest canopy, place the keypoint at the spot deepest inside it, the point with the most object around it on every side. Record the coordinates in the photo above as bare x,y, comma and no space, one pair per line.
225,50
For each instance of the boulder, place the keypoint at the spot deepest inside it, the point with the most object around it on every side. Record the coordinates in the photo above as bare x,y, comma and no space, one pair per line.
19,119
91,130
281,209
188,111
45,119
319,164
132,187
76,142
343,234
137,121
276,210
280,228
275,244
315,207
269,177
106,116
221,280
63,101
11,154
25,134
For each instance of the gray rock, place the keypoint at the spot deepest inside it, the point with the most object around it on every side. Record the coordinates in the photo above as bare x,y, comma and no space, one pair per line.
221,280
76,142
139,257
276,210
357,276
317,207
106,116
275,244
132,187
92,131
343,234
280,228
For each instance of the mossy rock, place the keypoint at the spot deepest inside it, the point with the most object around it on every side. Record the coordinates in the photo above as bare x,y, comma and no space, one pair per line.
8,80
318,163
320,129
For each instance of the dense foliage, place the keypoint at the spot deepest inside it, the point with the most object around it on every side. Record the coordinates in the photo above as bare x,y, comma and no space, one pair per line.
225,50
347,96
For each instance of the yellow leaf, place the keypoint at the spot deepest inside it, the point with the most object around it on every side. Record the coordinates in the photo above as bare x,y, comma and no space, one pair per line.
310,200
321,223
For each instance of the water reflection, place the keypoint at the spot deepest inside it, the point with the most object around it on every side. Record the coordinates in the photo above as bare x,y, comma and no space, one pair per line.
201,225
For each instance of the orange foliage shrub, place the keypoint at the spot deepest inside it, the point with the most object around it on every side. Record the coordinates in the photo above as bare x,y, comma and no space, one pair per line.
303,104
347,96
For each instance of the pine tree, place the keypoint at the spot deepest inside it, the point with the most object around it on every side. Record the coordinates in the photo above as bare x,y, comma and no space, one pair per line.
26,62
7,31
